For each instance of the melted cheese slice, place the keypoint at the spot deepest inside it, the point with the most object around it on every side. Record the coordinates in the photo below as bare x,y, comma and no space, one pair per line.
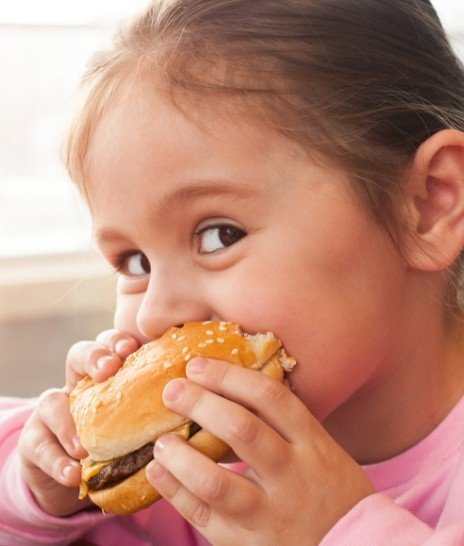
89,470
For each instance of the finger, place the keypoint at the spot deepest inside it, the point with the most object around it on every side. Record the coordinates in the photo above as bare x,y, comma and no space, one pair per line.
39,449
252,440
272,401
54,412
223,490
92,359
193,509
121,343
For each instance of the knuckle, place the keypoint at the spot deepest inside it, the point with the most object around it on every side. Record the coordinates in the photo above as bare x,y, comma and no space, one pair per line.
283,462
42,456
94,352
77,350
51,397
43,407
270,390
63,434
42,448
200,515
171,494
223,371
51,403
110,338
24,441
107,336
196,400
242,427
217,486
29,435
56,469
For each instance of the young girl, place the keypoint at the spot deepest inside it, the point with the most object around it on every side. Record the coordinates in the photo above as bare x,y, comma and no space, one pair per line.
294,166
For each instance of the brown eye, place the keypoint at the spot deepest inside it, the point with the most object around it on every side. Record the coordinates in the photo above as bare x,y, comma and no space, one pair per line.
135,265
215,238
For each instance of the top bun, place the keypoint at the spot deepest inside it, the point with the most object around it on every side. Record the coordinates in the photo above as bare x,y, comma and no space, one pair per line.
126,411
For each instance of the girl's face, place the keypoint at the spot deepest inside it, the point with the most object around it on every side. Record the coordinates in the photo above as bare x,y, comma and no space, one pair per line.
235,223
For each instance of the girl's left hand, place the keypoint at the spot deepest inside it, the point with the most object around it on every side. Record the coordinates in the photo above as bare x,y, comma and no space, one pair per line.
300,482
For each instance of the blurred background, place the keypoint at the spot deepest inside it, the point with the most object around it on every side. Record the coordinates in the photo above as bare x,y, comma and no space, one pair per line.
54,289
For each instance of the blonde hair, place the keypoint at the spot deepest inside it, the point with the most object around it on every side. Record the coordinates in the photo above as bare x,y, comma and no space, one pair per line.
360,83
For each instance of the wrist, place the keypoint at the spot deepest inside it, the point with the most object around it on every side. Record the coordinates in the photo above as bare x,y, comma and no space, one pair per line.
57,506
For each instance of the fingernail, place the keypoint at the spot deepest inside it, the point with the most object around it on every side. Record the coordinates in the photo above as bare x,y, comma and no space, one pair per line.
162,441
68,470
156,470
173,391
159,445
123,346
103,361
197,365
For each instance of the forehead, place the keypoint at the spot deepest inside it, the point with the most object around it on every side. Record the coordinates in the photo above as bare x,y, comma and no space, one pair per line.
145,136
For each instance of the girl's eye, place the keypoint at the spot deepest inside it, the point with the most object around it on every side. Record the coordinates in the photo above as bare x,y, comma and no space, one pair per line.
213,238
134,265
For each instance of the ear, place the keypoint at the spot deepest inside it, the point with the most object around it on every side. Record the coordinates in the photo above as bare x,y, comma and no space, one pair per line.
435,199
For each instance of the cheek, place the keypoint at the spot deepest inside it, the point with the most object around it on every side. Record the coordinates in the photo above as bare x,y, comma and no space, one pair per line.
334,309
125,316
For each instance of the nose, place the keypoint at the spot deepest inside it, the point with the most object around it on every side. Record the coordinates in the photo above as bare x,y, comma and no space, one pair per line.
172,298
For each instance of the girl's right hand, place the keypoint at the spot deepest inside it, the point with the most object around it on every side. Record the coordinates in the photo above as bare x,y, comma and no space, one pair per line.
48,446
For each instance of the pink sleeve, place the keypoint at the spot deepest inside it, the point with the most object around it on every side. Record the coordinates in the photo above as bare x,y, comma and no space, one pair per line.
378,520
22,522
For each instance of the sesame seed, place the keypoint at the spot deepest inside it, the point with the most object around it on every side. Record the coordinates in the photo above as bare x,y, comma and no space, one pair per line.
209,332
185,349
220,340
181,338
173,336
223,327
209,341
202,345
187,357
118,395
234,351
207,322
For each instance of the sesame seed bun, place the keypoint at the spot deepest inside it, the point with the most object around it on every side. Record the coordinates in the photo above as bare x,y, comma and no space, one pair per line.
125,412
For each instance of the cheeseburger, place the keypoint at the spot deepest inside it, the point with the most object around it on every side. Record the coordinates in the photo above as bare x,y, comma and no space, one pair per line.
119,420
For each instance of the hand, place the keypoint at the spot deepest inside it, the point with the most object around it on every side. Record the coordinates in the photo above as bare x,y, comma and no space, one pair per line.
98,359
48,449
48,445
299,484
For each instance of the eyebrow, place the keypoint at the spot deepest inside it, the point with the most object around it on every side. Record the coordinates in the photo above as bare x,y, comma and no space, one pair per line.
188,193
208,188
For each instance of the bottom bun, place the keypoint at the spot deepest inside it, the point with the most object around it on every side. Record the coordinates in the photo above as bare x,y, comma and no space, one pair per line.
135,492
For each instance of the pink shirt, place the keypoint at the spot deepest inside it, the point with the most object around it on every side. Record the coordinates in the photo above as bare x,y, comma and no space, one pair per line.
420,500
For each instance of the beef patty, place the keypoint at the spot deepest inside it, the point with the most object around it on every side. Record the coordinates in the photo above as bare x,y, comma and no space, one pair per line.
125,466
